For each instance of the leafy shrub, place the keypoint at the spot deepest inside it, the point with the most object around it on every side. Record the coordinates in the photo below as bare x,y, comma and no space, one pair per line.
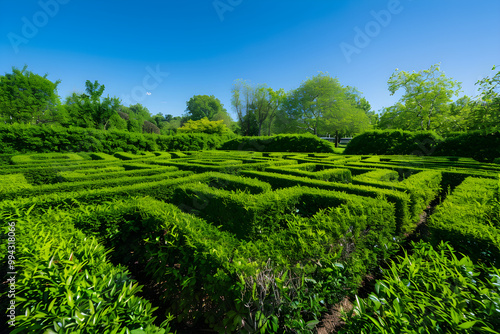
65,282
13,182
204,126
430,291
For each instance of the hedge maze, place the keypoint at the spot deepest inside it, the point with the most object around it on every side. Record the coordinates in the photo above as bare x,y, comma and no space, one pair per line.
227,240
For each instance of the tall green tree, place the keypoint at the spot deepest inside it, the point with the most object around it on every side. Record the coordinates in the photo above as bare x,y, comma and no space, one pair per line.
224,116
425,99
90,109
200,106
458,115
242,103
485,113
29,98
321,105
265,104
137,115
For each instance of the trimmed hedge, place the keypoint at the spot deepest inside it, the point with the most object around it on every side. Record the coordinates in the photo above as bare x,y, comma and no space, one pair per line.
338,175
162,190
103,156
112,172
46,158
65,281
13,182
250,216
386,175
206,274
390,142
401,200
477,145
20,138
202,168
422,187
280,143
130,156
469,219
91,184
99,169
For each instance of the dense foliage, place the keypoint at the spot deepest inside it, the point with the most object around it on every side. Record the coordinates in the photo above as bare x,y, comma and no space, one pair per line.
393,142
26,97
279,143
243,241
204,125
426,103
430,290
323,105
27,138
478,145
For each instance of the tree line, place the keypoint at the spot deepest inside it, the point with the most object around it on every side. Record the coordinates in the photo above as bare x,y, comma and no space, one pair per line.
321,105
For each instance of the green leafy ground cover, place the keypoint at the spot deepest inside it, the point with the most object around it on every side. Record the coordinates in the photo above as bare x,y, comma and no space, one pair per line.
248,241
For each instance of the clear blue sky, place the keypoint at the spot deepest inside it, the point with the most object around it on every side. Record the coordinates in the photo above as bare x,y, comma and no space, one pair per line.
129,46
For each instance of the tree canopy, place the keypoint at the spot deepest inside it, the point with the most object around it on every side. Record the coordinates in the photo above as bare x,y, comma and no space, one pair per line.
200,106
425,100
26,97
90,109
204,125
485,112
321,105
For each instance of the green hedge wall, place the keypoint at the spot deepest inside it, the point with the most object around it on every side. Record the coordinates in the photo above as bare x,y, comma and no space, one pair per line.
67,283
422,187
402,201
477,145
391,142
280,143
469,219
20,138
334,174
207,275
